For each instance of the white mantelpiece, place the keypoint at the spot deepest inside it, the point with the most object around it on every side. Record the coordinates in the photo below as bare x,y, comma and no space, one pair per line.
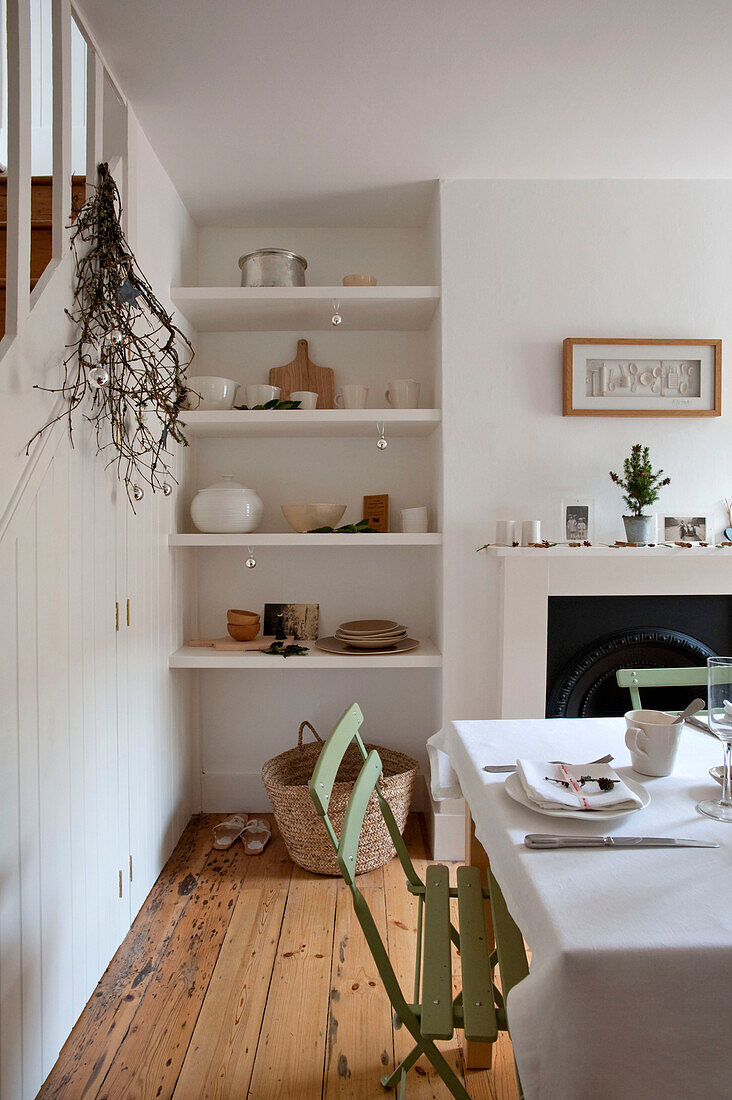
528,577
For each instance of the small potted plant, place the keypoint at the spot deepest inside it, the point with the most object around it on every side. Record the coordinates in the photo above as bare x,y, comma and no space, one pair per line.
642,488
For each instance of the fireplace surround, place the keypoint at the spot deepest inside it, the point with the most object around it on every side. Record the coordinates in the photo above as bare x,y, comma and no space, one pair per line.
683,612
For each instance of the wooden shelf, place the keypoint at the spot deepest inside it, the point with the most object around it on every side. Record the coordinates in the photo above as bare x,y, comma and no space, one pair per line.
580,552
427,656
297,423
306,308
287,538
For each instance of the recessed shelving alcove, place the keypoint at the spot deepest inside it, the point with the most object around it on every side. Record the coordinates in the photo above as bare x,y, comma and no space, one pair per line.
388,332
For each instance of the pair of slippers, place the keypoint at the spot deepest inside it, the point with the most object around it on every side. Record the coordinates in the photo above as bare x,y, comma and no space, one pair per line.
254,832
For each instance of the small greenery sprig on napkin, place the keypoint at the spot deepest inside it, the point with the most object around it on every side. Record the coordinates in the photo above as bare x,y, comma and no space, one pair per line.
360,528
273,404
279,649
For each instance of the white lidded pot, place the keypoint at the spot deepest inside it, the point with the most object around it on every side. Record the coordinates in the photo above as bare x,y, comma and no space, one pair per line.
226,507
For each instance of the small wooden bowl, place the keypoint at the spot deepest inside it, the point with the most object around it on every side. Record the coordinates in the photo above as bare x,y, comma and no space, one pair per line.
242,617
243,632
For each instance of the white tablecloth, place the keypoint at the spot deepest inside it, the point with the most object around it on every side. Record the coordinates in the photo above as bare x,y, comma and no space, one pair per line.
630,990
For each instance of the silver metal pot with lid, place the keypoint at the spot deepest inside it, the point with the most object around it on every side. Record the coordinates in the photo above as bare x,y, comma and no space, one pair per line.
272,267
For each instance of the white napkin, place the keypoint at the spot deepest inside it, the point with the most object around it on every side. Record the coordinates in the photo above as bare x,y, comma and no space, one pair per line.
536,778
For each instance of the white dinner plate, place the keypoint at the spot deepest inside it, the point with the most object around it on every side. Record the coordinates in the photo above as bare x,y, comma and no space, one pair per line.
514,788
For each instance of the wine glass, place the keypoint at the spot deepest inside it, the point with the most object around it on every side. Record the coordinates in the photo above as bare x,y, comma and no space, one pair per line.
719,704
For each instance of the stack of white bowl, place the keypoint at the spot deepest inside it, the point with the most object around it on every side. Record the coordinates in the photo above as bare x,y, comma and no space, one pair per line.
371,633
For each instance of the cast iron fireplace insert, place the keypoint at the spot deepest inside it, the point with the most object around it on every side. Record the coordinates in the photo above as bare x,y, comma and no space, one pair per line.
590,637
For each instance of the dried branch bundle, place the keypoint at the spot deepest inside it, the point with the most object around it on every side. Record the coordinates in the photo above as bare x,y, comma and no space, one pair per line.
125,363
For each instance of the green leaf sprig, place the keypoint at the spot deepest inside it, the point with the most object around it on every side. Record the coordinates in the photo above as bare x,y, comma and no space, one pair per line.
269,405
279,649
360,528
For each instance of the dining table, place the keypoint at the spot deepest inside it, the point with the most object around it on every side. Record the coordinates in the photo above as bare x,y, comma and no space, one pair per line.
629,991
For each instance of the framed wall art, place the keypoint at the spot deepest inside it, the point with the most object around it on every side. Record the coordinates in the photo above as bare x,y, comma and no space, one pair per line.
642,377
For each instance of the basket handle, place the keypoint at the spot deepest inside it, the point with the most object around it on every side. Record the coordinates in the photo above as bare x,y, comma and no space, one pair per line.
310,727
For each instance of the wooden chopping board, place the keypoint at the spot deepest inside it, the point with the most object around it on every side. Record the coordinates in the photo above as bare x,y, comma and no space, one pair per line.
228,645
303,374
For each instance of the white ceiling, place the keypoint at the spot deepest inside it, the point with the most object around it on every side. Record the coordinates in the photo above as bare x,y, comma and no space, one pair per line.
327,112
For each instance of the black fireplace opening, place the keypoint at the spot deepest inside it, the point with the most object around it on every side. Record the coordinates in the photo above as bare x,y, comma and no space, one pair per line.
590,637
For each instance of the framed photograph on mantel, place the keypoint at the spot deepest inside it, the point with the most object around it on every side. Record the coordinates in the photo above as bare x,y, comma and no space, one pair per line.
642,377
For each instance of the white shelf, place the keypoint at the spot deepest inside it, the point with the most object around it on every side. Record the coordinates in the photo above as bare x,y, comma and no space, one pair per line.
607,551
296,423
427,656
306,308
287,538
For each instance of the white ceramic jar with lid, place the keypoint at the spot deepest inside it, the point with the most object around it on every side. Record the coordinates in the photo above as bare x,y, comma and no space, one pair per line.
227,506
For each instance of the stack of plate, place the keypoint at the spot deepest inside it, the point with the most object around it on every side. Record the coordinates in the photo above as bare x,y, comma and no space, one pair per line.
372,635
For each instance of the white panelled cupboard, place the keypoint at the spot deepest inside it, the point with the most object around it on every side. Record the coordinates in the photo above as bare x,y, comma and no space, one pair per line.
94,745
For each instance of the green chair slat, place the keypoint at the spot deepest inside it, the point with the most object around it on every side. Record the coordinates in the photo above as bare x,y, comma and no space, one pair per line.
636,678
479,1014
325,771
512,960
363,788
437,1017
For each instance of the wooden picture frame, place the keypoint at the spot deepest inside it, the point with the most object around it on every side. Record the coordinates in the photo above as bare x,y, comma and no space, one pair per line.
630,377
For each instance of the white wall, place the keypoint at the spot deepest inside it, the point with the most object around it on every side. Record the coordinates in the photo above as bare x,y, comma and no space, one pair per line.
525,264
95,745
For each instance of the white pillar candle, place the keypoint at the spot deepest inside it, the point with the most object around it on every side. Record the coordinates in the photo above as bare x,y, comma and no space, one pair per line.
530,531
505,532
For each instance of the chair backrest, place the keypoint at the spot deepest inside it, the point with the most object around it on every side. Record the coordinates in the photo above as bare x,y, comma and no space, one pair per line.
321,783
636,678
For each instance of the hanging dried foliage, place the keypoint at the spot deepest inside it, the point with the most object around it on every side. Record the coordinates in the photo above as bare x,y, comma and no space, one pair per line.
124,372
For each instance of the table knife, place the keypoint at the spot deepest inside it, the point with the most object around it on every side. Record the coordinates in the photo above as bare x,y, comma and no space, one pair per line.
499,769
553,840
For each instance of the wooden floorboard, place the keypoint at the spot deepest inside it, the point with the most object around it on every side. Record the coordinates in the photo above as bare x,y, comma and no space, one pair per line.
245,977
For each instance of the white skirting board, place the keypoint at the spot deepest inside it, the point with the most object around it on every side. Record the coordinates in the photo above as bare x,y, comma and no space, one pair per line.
227,792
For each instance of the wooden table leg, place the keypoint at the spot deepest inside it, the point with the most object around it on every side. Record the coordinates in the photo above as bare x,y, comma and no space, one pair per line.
478,1055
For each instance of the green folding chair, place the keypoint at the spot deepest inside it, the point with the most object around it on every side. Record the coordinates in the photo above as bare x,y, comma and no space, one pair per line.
479,1009
636,678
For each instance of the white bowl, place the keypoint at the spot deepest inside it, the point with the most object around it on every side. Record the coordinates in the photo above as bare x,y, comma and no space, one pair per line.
306,517
216,393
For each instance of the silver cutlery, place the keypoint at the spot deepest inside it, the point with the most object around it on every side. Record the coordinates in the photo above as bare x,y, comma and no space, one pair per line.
693,708
554,840
498,769
702,726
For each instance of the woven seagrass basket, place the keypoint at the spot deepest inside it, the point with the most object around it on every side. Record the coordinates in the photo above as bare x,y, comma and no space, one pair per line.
285,778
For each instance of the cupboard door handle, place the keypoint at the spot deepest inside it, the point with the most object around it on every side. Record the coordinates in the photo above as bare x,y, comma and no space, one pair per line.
116,616
128,611
120,884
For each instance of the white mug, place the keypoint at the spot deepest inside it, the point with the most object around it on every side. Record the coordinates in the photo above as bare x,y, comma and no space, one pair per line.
653,739
505,532
307,398
260,395
414,520
403,394
352,397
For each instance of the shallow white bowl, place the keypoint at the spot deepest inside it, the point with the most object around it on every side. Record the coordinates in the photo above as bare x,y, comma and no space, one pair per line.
216,393
306,517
